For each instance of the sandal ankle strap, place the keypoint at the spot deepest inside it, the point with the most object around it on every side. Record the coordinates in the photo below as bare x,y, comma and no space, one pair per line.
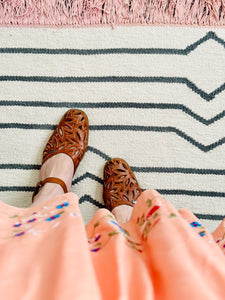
49,180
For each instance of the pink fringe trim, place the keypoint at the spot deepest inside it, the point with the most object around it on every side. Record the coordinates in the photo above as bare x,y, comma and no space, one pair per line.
112,12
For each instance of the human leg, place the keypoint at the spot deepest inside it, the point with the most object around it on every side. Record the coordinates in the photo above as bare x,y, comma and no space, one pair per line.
62,155
59,166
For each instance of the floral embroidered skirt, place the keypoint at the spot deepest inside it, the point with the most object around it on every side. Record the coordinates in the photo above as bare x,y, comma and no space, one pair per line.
47,253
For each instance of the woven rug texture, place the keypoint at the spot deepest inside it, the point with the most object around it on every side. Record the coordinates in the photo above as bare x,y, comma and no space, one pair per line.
154,97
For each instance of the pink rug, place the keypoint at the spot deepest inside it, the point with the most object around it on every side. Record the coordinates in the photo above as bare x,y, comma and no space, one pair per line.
111,12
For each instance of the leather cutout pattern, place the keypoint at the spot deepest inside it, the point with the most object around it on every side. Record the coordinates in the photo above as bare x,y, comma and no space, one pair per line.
70,137
119,184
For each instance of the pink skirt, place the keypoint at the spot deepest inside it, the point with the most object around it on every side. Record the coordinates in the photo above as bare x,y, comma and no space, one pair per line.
47,253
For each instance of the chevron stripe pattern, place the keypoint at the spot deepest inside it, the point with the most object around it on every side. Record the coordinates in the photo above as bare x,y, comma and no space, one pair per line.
155,96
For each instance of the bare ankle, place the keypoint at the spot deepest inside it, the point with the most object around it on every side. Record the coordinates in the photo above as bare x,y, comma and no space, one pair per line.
122,213
47,192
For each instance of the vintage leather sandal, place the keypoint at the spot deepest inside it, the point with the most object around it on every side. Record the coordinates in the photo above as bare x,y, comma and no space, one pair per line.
119,184
70,137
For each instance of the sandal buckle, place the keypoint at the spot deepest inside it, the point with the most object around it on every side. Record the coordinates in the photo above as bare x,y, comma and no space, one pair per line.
37,189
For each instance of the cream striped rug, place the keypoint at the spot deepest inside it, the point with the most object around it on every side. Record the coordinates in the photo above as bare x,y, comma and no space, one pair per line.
154,97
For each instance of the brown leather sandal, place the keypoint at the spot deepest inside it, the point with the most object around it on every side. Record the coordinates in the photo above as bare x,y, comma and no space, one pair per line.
70,137
119,184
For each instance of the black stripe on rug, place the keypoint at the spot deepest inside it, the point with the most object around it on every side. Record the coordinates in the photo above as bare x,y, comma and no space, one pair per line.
94,105
134,168
166,51
161,129
120,79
